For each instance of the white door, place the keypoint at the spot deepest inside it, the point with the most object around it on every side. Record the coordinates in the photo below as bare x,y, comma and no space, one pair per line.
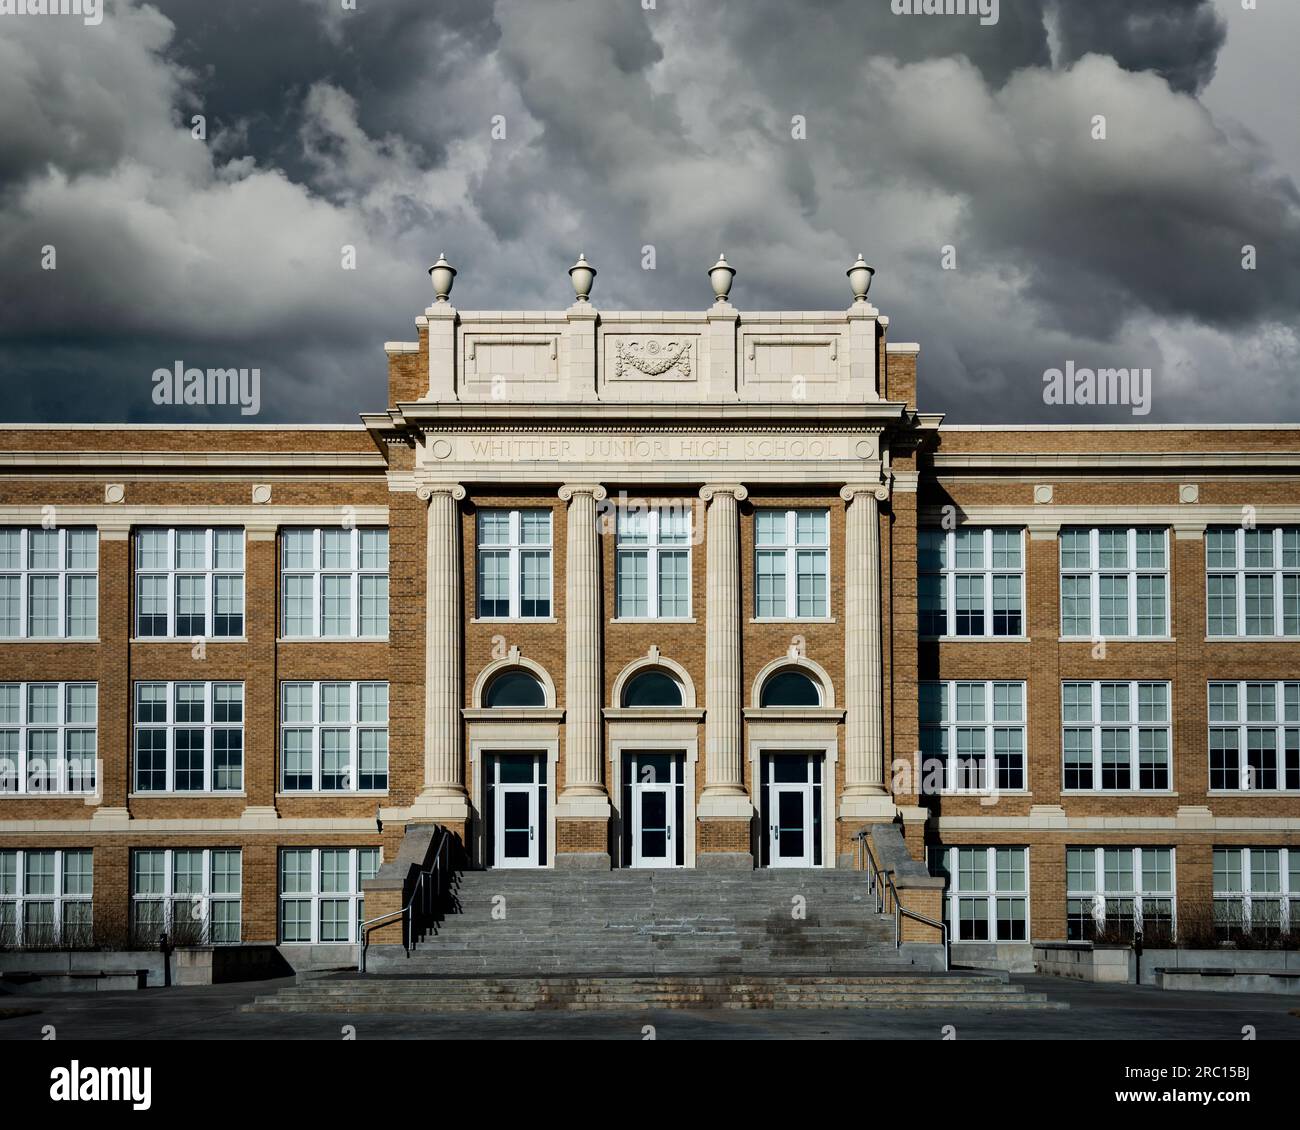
516,826
652,826
790,831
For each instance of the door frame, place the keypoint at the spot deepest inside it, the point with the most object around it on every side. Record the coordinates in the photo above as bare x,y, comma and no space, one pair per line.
658,736
483,738
805,791
669,793
533,792
769,737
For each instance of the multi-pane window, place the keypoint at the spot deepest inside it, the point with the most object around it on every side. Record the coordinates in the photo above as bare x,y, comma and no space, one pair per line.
334,737
514,564
1113,891
49,583
320,893
45,897
654,563
1116,736
189,737
48,737
972,736
792,570
189,582
194,895
1255,736
1114,582
1253,581
1256,890
971,582
988,892
334,582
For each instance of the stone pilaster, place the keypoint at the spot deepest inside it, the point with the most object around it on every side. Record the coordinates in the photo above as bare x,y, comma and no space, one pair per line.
865,796
443,797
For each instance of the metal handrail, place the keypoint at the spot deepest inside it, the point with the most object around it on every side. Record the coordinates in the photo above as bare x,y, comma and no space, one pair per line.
879,881
425,889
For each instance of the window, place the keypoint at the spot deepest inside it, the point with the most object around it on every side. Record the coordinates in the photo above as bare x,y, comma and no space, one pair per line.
1116,736
972,736
320,893
514,564
652,688
514,687
189,737
49,583
193,895
48,737
1111,892
1256,891
1253,581
971,582
334,737
189,582
45,897
654,563
335,583
1114,582
988,892
792,570
1254,736
790,688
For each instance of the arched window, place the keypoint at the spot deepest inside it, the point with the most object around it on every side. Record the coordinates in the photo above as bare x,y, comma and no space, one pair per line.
652,688
791,687
514,687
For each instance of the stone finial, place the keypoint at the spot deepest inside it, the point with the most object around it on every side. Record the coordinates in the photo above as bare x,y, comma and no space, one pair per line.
860,278
721,275
582,274
443,275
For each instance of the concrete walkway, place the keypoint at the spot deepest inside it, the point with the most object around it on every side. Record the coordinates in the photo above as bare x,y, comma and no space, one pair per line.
1096,1012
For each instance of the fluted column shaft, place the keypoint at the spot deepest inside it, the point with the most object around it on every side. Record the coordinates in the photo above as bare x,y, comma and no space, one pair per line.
864,736
583,670
724,773
444,765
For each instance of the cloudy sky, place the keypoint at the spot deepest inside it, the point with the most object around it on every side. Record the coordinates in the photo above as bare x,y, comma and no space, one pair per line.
670,127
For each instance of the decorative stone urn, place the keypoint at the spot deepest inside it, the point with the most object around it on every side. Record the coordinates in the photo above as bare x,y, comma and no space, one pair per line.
721,275
443,275
860,279
582,274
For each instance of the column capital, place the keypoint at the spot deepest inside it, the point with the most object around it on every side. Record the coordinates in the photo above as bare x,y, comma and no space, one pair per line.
736,490
426,491
568,490
878,491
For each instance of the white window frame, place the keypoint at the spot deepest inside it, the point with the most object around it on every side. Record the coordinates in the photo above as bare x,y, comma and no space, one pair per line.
318,572
515,548
792,548
1279,571
1285,723
173,572
354,727
1133,725
652,548
1288,893
20,781
1099,895
63,571
60,898
949,725
946,859
209,726
354,894
200,901
1094,572
949,571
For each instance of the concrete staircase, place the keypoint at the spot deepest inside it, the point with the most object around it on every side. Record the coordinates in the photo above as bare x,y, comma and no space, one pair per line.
578,940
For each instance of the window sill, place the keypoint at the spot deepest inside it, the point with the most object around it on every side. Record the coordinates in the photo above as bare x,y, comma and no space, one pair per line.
974,639
341,794
205,795
1116,639
1252,639
189,640
1253,792
793,620
81,797
515,620
978,793
331,639
1118,792
50,639
654,620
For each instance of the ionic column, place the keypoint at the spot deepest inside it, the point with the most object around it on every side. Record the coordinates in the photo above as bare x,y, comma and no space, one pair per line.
583,672
444,765
724,772
864,735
